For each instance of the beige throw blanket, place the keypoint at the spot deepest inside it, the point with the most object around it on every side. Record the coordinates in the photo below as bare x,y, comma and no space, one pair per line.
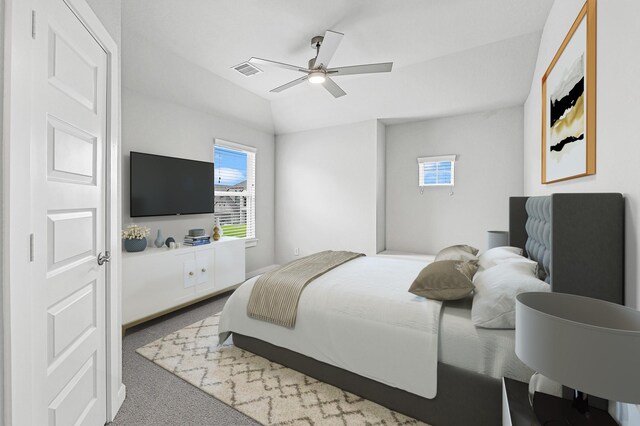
275,295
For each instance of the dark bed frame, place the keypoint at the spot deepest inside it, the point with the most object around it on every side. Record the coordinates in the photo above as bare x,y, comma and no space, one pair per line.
577,238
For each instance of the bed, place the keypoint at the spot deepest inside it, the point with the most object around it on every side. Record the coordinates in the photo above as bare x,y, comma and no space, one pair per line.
377,355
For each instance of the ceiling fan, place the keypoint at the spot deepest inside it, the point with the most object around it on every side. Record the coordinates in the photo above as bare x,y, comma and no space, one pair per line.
318,71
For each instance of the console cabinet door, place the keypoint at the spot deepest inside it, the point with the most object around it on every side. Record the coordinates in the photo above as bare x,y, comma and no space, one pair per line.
154,282
205,271
190,274
229,264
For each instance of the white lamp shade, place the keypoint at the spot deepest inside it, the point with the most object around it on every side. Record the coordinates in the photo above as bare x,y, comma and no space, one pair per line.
497,239
587,344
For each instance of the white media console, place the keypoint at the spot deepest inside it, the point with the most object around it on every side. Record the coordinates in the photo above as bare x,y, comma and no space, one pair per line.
159,280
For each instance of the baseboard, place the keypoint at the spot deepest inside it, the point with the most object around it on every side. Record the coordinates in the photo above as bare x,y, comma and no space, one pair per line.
122,395
260,271
117,402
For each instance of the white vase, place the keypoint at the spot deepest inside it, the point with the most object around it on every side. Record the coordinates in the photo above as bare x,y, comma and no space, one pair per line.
217,225
159,240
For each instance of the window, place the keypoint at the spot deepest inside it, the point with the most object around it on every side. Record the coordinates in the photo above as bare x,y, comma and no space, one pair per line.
234,188
436,171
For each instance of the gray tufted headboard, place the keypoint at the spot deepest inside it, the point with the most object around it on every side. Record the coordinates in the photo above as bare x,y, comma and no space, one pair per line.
538,227
577,238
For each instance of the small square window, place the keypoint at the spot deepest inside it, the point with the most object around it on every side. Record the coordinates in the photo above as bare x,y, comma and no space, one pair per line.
436,171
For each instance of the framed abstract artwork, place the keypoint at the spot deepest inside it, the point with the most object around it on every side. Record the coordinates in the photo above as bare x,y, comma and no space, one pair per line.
569,103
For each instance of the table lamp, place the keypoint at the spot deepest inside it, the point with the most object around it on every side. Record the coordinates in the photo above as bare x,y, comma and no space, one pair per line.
497,239
590,345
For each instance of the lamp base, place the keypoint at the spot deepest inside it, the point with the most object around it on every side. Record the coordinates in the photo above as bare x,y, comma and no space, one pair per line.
551,411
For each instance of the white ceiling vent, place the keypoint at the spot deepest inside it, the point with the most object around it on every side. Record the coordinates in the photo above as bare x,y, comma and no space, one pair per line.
247,69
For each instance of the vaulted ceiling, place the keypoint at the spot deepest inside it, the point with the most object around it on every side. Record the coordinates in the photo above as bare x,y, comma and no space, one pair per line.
450,56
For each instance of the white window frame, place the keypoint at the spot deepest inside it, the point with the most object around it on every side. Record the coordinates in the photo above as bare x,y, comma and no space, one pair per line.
435,159
251,175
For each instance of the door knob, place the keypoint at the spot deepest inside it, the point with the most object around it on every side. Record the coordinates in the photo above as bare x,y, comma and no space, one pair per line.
191,274
102,258
204,270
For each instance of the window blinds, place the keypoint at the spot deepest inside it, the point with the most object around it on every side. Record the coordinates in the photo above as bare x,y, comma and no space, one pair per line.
436,171
235,195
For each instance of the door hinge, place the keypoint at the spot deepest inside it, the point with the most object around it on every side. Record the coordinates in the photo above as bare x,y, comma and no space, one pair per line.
31,248
33,24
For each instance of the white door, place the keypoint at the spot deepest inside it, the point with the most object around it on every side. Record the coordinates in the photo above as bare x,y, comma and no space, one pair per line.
68,216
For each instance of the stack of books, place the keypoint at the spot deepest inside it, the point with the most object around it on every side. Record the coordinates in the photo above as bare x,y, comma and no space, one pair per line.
190,240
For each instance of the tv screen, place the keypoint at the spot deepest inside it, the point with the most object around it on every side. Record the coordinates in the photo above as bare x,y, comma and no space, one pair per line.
166,186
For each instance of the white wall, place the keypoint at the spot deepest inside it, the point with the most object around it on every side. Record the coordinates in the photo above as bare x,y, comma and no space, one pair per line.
326,190
618,109
488,171
156,126
154,71
110,14
381,187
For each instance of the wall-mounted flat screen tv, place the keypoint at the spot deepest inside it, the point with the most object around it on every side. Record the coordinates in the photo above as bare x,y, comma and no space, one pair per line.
167,186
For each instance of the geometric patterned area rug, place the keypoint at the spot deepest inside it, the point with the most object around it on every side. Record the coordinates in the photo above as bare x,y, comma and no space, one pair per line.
263,390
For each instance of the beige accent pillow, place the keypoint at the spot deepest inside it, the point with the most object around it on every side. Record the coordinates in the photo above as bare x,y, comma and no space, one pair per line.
445,280
458,252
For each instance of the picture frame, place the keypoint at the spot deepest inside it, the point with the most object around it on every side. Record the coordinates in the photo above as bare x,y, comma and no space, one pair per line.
569,103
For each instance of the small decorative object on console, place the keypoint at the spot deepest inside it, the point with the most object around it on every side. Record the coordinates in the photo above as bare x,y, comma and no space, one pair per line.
159,240
135,237
169,241
217,230
196,241
197,232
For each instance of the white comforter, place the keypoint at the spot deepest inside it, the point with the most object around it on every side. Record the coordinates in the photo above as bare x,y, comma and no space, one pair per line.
359,317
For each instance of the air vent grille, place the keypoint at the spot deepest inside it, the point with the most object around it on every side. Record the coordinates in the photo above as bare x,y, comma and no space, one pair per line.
247,69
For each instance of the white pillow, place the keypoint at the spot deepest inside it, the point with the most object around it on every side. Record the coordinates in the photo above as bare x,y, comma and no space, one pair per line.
532,265
497,255
494,301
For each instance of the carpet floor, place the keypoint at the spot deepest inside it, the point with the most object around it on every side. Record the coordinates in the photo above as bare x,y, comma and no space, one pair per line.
155,396
268,392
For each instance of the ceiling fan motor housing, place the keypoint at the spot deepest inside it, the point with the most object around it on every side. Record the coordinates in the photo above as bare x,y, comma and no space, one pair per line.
316,42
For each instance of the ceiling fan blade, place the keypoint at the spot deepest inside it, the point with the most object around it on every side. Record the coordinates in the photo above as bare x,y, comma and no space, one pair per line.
361,69
333,88
329,46
277,64
289,84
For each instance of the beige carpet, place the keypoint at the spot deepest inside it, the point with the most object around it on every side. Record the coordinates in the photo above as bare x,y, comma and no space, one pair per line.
266,391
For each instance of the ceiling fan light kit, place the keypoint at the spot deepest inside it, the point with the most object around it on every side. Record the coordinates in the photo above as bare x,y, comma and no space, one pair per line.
318,70
316,77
